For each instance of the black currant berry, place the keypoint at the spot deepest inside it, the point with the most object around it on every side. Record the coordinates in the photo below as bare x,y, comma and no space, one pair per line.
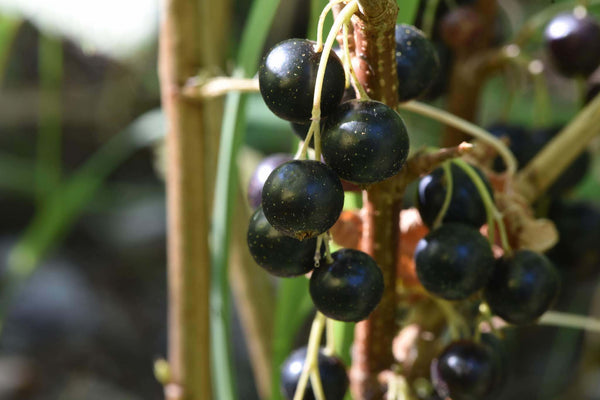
279,254
454,261
302,198
466,205
349,288
365,141
577,253
523,286
466,370
520,143
573,43
331,369
416,62
287,77
260,175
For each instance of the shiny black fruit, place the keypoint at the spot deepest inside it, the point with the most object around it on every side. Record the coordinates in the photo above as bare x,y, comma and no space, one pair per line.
279,254
365,141
302,198
287,77
349,288
466,370
417,63
523,286
573,43
454,261
331,369
260,175
466,205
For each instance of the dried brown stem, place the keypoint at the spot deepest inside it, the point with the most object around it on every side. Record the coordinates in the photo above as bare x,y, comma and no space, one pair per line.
180,56
559,153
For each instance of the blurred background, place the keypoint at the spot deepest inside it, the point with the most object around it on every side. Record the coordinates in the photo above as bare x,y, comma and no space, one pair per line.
82,204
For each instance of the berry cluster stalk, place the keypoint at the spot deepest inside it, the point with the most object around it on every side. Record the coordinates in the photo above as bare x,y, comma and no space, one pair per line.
180,56
375,66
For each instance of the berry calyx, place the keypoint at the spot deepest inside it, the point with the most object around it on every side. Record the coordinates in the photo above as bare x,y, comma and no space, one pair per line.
349,288
365,141
417,63
260,175
287,77
573,43
466,205
332,371
466,370
454,261
523,286
302,198
279,254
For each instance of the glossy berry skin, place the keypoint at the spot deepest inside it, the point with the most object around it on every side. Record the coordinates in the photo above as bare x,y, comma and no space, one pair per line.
522,287
302,198
331,369
287,77
365,141
466,370
573,44
260,175
349,288
417,63
279,254
466,205
454,261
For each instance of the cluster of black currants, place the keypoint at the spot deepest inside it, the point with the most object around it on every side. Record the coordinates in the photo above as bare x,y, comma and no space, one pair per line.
363,142
455,262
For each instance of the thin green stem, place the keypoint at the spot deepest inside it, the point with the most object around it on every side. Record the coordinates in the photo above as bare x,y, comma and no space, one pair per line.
362,93
315,126
467,127
330,331
567,320
321,23
493,215
447,197
312,353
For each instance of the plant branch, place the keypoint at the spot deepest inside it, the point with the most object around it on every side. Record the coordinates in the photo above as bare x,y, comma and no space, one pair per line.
188,255
559,153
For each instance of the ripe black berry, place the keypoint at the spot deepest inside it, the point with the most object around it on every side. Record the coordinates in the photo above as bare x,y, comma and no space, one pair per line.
349,288
466,205
454,261
416,62
573,43
287,77
279,254
365,141
466,370
331,369
522,287
260,175
302,198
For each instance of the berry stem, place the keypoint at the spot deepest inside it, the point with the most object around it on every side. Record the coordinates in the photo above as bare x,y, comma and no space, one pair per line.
467,127
362,94
567,320
447,197
493,215
330,331
199,88
312,354
321,23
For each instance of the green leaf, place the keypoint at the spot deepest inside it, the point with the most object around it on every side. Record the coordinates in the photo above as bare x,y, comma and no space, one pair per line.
232,135
68,200
344,336
407,11
293,307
